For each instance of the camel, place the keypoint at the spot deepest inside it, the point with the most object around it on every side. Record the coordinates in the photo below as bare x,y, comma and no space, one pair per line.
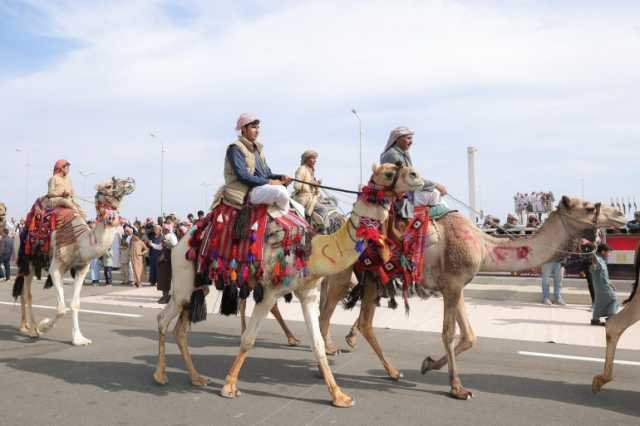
617,325
329,255
460,252
87,245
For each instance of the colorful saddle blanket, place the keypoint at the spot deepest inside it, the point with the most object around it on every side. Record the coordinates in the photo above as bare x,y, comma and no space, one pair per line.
407,253
228,248
40,224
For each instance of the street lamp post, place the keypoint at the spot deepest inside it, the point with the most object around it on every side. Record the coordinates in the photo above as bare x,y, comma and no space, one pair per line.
359,140
27,165
162,151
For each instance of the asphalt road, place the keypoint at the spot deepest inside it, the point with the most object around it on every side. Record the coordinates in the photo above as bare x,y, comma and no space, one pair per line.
50,382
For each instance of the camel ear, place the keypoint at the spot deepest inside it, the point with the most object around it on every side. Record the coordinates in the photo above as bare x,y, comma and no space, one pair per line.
566,202
375,167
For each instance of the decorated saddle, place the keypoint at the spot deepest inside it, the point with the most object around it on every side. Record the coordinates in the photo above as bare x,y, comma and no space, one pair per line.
35,238
228,247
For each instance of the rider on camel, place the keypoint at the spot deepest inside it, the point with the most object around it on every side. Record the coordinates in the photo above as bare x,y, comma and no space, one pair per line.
60,192
308,195
397,150
246,173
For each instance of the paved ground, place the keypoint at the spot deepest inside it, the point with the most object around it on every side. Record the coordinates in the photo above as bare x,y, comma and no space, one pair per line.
49,382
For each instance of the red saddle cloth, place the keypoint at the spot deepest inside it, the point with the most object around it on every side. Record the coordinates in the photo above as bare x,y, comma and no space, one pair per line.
225,259
40,224
407,254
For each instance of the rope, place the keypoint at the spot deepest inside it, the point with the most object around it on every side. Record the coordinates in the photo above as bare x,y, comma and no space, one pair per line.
331,188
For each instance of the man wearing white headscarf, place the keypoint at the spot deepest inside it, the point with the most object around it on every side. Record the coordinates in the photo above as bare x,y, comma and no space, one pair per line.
247,174
397,151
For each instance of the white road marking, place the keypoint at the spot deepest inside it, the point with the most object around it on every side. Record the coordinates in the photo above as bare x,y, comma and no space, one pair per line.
89,311
576,358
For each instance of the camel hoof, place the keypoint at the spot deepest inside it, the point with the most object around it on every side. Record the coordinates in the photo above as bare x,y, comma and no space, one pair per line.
160,378
428,365
24,329
293,342
199,381
397,376
342,400
81,341
44,325
461,393
598,382
351,340
230,391
332,350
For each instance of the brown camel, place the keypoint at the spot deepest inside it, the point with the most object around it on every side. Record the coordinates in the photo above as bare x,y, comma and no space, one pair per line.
456,252
617,325
329,255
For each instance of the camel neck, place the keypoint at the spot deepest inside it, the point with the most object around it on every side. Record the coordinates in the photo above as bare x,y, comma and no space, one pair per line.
513,255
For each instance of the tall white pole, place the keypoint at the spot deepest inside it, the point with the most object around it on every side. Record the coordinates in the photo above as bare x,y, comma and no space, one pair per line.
471,171
359,140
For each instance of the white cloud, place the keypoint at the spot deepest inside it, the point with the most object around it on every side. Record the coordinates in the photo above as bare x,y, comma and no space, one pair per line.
548,95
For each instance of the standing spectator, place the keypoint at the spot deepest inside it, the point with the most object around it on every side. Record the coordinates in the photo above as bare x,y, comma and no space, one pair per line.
605,304
137,251
155,248
94,266
555,269
169,241
6,251
200,214
125,255
634,225
190,217
586,260
107,263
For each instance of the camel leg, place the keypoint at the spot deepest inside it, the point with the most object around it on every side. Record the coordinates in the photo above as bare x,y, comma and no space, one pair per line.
291,339
451,301
248,339
309,300
77,338
32,328
243,315
615,327
335,292
24,319
180,331
465,342
164,319
350,338
57,278
365,325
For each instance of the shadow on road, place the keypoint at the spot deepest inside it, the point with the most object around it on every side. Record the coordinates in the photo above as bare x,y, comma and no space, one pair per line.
617,400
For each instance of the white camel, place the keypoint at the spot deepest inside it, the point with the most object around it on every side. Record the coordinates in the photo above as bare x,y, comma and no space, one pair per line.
329,255
87,244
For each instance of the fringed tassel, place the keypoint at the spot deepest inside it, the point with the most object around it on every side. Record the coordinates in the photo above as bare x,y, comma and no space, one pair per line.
72,271
198,307
354,295
241,225
244,291
258,293
288,297
229,303
405,297
18,285
48,283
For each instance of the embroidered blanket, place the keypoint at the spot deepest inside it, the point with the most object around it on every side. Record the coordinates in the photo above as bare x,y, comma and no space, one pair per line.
224,259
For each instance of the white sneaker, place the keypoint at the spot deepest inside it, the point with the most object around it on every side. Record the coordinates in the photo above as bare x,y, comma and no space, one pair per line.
546,301
560,301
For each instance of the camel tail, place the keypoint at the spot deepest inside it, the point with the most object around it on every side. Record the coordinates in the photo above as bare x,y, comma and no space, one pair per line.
18,285
354,295
48,283
197,306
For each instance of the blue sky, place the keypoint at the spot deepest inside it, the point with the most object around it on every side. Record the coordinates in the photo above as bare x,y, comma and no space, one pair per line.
547,91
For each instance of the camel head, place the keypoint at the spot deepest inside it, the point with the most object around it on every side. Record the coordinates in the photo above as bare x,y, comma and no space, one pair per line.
110,193
584,215
396,178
